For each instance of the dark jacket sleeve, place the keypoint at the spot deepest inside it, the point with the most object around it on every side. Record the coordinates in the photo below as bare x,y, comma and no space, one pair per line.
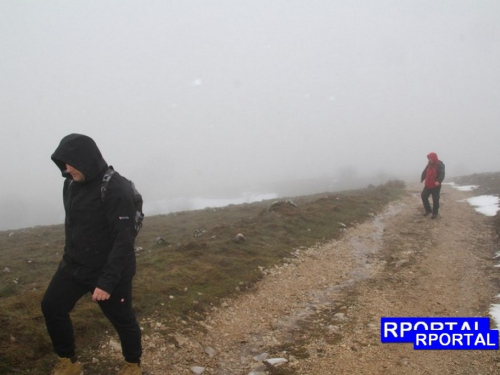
441,172
422,178
120,210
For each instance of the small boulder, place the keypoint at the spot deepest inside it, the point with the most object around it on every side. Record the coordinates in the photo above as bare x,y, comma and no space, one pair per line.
275,362
115,345
210,351
198,370
239,238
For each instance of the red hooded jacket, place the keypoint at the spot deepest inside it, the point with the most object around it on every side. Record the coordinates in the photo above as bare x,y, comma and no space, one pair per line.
434,171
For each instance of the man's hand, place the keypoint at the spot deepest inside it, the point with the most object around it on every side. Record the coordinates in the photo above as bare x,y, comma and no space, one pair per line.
100,295
437,183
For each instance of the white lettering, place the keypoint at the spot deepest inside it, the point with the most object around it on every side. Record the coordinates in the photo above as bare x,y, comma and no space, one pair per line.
405,327
466,327
457,338
479,339
420,337
468,336
475,338
390,327
488,340
433,337
437,326
423,324
442,342
451,325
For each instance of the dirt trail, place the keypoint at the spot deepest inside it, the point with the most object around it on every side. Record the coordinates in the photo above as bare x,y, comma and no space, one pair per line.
321,310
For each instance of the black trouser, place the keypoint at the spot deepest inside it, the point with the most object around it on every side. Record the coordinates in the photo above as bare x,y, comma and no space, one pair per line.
435,192
60,298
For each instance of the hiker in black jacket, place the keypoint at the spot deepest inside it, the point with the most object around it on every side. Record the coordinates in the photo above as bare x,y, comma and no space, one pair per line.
98,255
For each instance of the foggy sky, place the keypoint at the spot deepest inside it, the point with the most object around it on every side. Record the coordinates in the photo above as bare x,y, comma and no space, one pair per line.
188,98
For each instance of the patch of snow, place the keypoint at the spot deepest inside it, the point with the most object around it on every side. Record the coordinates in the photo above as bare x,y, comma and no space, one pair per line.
495,313
467,187
485,204
462,188
187,204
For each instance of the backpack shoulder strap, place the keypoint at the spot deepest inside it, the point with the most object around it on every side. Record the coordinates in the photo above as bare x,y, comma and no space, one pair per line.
105,180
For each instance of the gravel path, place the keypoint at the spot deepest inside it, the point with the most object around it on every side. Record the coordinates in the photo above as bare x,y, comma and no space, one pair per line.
321,310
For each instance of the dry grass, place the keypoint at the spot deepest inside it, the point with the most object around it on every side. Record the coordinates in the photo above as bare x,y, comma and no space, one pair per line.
194,265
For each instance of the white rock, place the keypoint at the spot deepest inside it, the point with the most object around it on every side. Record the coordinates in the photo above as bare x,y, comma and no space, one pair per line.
240,238
197,370
181,340
276,361
261,370
115,345
261,357
210,351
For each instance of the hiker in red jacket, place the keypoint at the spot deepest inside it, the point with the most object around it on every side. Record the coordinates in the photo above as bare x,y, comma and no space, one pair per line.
432,176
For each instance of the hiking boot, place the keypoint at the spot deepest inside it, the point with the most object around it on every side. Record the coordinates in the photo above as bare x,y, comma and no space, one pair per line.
130,369
434,216
427,213
65,366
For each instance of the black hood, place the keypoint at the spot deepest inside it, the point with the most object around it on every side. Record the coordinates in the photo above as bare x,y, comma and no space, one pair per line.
82,153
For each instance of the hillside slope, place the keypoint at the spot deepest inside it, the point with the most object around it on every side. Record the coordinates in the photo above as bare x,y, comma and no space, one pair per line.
321,310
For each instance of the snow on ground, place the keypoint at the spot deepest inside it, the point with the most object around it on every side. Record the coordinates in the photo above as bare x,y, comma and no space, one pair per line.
461,188
487,205
167,206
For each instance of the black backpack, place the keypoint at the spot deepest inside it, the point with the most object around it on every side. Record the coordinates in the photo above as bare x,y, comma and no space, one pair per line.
139,215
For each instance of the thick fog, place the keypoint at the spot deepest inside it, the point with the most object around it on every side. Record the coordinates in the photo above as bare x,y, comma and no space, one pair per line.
228,99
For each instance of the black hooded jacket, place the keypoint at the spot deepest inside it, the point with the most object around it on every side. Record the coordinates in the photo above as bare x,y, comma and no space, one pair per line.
100,235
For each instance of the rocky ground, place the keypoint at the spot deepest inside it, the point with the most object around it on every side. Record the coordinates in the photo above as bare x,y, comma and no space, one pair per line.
320,312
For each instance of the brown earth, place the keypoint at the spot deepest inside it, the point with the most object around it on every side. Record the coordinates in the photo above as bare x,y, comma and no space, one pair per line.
321,310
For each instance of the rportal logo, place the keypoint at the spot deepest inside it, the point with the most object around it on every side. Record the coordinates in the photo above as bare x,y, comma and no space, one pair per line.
440,333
